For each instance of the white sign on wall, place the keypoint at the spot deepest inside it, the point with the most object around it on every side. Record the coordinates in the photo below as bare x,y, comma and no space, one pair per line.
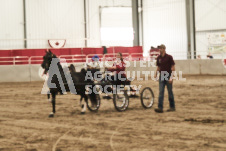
216,42
216,38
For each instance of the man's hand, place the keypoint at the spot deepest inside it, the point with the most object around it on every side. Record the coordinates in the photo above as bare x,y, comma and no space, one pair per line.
172,75
155,76
170,80
110,68
44,72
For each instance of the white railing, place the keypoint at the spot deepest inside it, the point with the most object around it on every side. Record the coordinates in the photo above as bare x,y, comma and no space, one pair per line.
34,59
69,58
74,58
81,58
14,60
112,56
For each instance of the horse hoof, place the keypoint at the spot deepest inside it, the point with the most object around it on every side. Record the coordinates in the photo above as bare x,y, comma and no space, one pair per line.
51,115
83,113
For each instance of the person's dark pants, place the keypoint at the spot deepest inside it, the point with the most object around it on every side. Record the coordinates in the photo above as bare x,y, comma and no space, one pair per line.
118,81
93,71
162,84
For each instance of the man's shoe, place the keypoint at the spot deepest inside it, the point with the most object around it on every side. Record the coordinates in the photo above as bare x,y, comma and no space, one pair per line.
171,110
158,110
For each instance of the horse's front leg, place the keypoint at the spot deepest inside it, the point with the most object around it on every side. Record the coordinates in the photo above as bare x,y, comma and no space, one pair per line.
53,104
84,104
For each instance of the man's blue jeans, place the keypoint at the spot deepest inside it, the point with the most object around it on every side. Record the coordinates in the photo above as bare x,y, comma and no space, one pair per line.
162,84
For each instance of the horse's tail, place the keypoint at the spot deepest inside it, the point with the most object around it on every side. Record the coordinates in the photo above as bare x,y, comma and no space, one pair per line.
72,68
93,98
48,96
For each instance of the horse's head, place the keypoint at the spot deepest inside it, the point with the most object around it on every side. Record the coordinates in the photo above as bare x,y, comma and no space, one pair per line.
47,60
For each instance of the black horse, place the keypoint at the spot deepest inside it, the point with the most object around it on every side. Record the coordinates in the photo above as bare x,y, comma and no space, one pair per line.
77,82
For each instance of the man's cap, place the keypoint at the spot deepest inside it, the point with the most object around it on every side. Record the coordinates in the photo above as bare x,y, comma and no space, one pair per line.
95,57
162,46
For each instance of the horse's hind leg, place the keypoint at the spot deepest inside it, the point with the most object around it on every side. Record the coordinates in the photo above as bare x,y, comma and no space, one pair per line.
48,96
53,104
81,100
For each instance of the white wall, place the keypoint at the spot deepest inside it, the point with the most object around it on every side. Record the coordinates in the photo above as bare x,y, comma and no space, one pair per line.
55,19
11,24
93,18
210,14
116,26
52,19
164,22
210,18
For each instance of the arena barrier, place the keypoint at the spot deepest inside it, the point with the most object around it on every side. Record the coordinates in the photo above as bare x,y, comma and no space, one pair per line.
201,67
27,73
19,73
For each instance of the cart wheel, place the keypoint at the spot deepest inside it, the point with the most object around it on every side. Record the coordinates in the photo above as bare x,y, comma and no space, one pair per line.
147,98
93,102
121,101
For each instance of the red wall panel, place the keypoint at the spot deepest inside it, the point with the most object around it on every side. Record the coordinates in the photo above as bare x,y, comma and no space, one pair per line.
5,53
62,51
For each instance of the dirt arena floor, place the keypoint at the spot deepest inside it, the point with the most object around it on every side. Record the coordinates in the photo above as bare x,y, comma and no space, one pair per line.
198,124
